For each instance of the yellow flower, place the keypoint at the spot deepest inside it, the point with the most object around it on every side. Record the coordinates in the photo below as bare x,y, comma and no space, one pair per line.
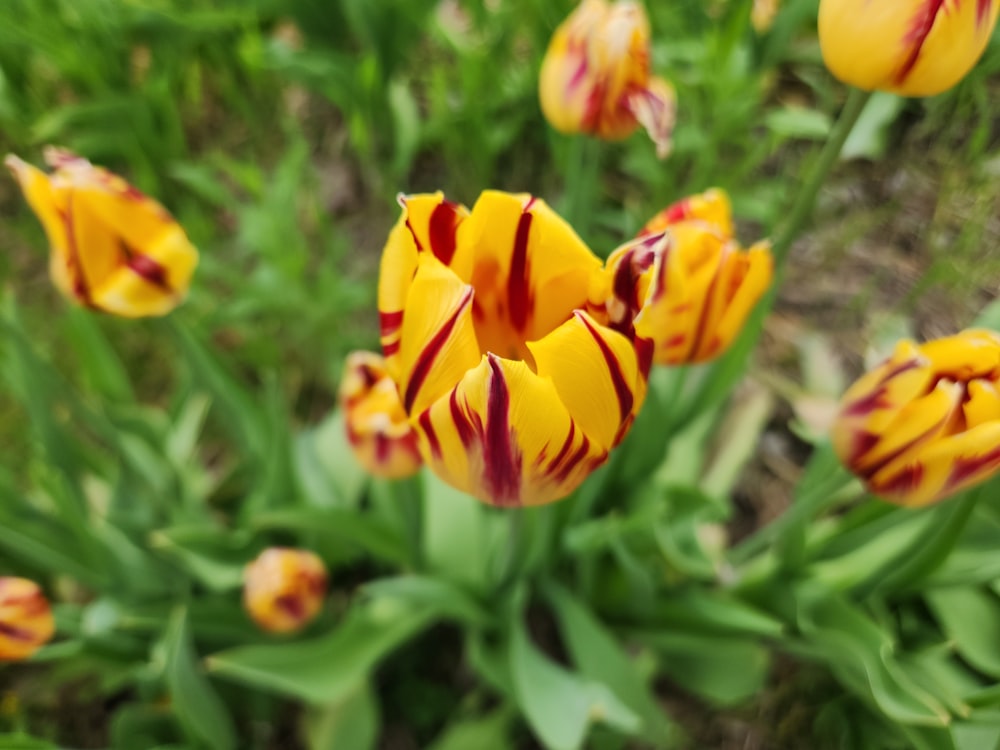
907,47
684,285
377,427
595,76
762,15
925,424
112,248
283,589
516,392
26,622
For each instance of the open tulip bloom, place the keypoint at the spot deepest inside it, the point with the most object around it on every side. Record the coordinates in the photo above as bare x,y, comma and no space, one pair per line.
925,424
498,331
907,47
112,248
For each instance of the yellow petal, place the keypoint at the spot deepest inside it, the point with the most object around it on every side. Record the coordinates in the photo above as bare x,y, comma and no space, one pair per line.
742,281
437,338
712,207
26,621
503,436
940,468
983,404
908,47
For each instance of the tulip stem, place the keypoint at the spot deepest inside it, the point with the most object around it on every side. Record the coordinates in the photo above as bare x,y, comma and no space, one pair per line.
803,207
583,165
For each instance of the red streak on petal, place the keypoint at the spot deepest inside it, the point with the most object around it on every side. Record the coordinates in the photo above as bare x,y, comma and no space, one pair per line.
80,289
863,442
622,389
291,605
444,223
389,349
518,293
467,430
148,270
382,448
389,322
676,340
501,462
428,427
15,633
430,352
903,483
915,38
966,467
644,350
573,461
983,11
564,451
868,403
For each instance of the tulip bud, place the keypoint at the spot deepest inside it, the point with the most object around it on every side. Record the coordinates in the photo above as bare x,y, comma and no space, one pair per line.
112,248
762,15
377,428
595,77
283,589
925,424
906,47
26,622
688,287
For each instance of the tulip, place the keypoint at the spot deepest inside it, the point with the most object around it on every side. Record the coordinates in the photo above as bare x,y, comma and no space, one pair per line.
684,285
26,622
377,427
762,15
925,423
112,248
283,589
516,391
595,76
906,47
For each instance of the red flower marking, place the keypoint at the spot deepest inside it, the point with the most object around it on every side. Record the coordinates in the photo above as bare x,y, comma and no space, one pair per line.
903,483
292,605
574,460
965,467
923,23
443,227
428,427
622,389
15,633
983,11
518,292
148,270
501,460
468,428
431,351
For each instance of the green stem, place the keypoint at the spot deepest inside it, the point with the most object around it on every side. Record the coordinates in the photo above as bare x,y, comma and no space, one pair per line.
582,168
803,207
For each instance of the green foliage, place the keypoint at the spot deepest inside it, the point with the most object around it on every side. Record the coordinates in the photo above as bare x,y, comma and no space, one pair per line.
148,462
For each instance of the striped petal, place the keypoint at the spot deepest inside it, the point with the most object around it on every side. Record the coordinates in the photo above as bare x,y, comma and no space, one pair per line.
604,403
26,622
437,337
504,436
712,207
909,47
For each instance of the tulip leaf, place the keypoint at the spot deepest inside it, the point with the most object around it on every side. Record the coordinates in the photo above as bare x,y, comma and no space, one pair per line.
436,593
100,363
326,669
456,542
325,465
488,732
599,656
560,705
870,134
193,699
798,122
697,610
971,618
349,724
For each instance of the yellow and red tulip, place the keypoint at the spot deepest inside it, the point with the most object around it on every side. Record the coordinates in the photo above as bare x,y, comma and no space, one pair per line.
925,424
26,622
377,427
684,284
907,47
595,77
112,248
283,589
515,390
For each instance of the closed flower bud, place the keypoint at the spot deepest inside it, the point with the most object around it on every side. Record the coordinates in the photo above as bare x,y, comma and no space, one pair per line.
377,427
685,285
925,424
516,391
906,47
283,589
595,77
112,248
26,622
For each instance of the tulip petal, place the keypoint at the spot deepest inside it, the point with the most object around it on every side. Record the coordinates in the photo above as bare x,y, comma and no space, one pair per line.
437,339
982,405
654,106
712,207
742,281
504,436
941,467
603,403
